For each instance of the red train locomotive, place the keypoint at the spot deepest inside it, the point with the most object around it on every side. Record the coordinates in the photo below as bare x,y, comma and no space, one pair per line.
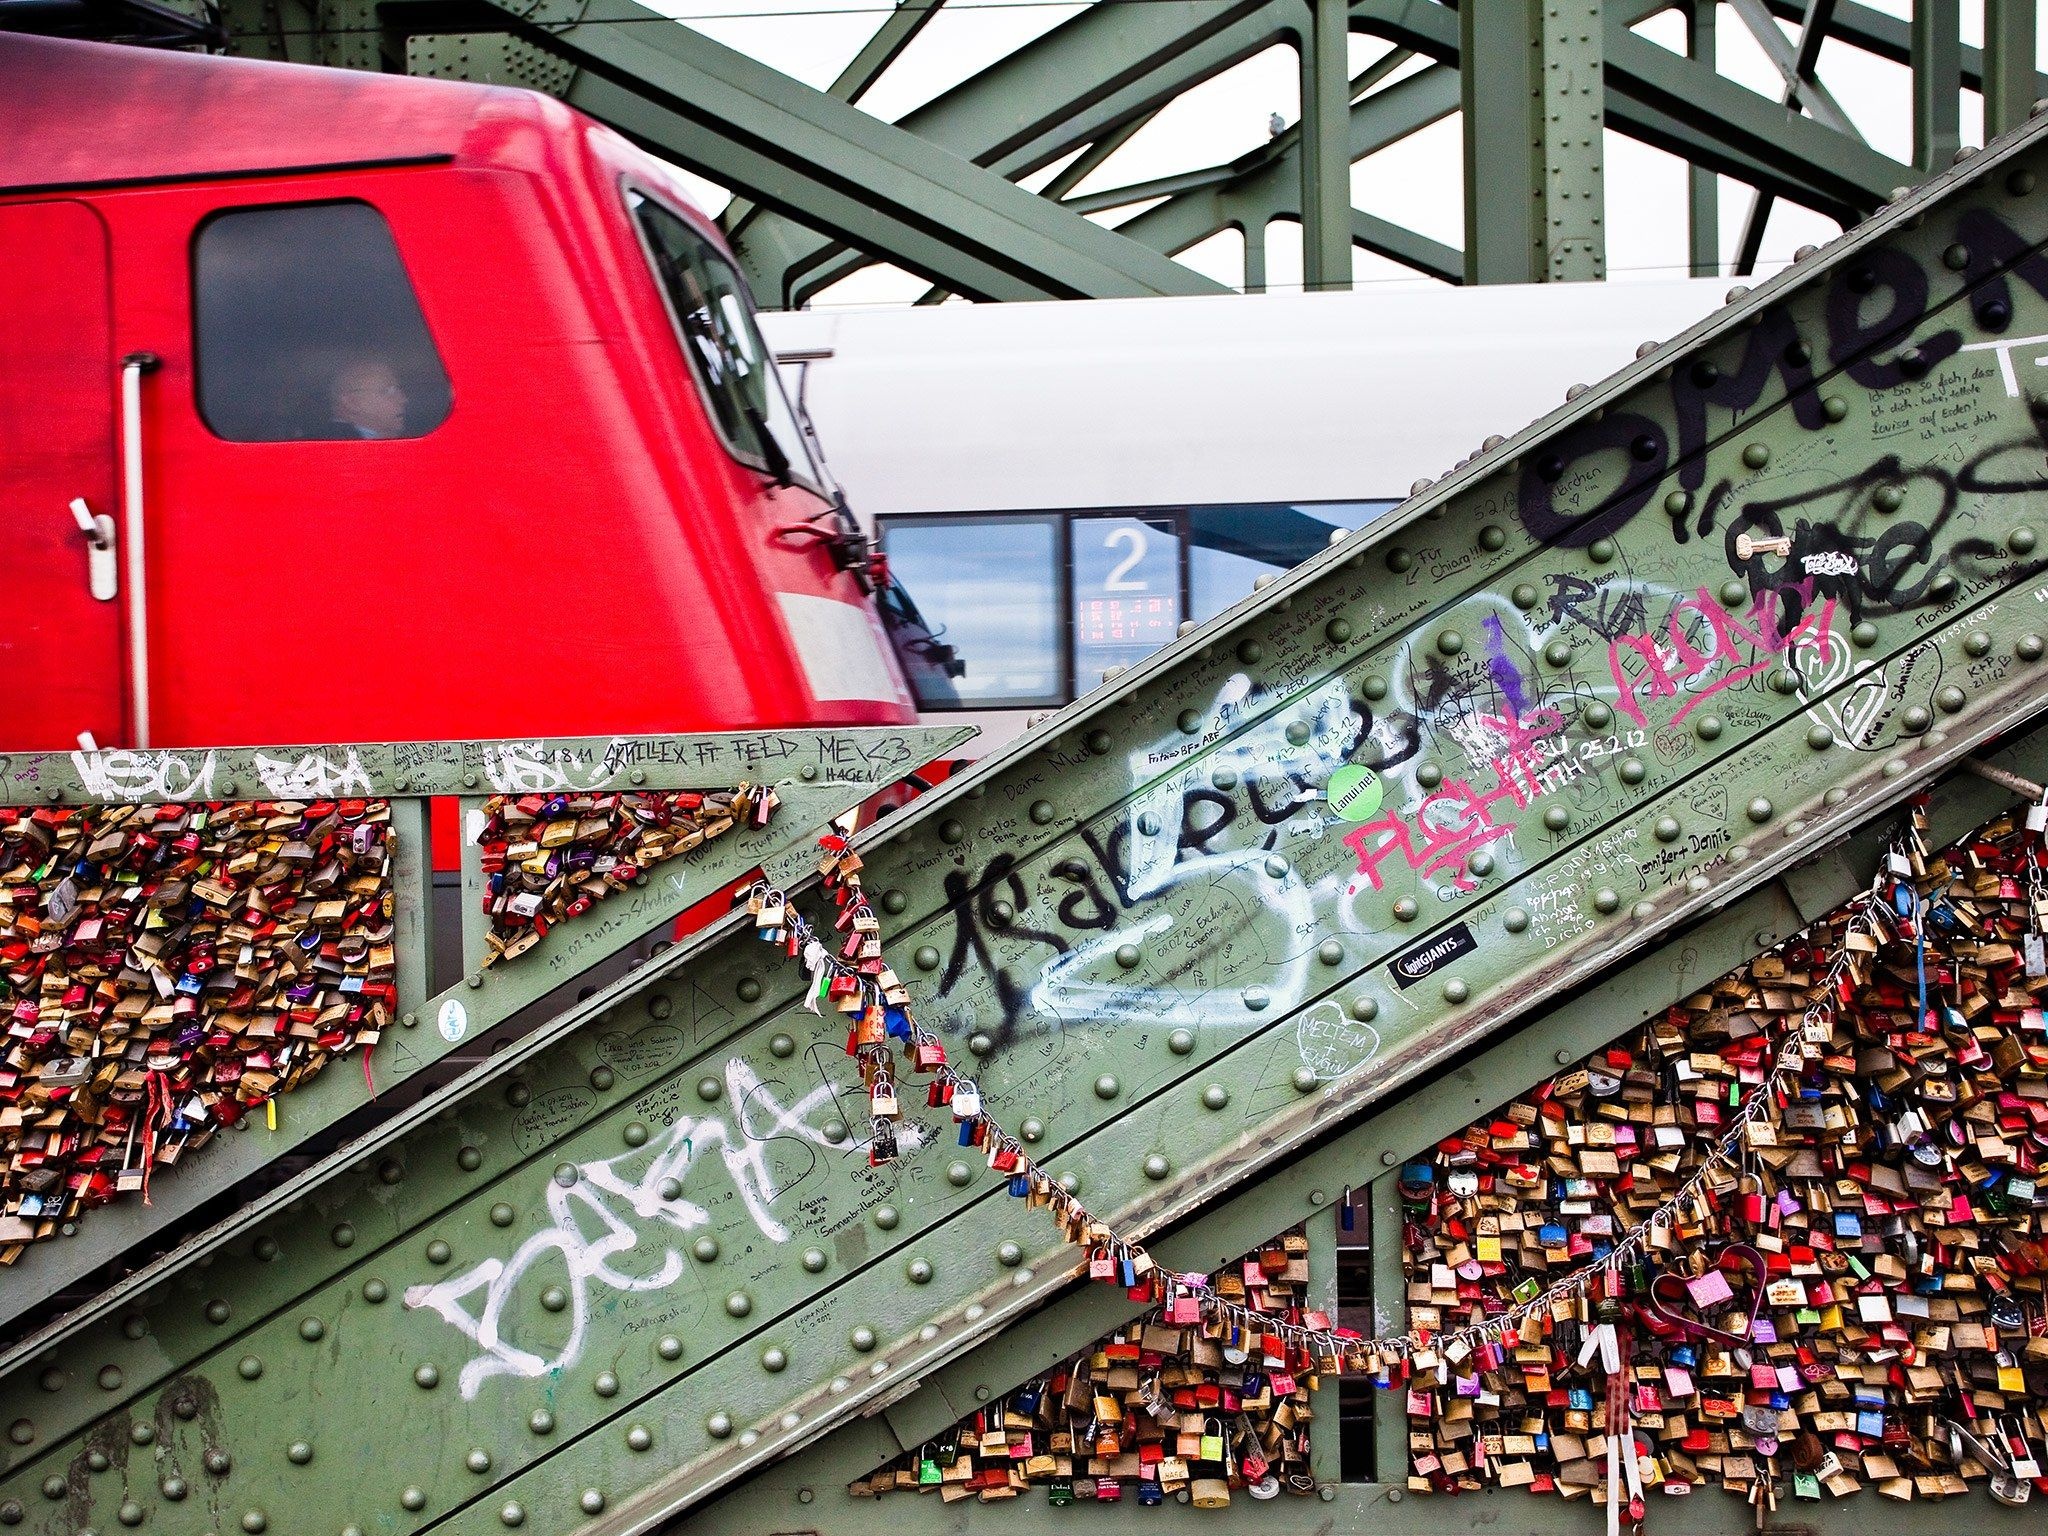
338,406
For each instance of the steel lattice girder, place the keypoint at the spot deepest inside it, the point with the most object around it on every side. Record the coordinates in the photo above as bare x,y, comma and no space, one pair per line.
611,1272
1306,1189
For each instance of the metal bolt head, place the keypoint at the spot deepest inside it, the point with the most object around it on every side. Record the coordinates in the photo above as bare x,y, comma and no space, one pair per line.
1009,1255
1605,900
478,1460
217,1311
375,1291
172,1488
669,1347
719,1425
1666,829
814,1261
427,1377
1215,1096
919,1271
1157,1167
502,1215
887,1217
1405,910
1761,809
709,1088
2030,648
298,1453
639,1438
863,1338
1456,991
219,1462
705,1249
1515,919
541,1422
312,1330
774,1359
606,1385
591,1502
469,1159
1304,1079
1106,1086
512,1513
782,1047
414,1499
249,1367
738,1304
1033,1128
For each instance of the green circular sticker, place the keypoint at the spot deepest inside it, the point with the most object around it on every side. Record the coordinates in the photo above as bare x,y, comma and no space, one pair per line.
1355,793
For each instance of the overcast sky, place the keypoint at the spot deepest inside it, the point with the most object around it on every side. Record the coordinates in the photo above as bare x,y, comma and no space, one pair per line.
1417,182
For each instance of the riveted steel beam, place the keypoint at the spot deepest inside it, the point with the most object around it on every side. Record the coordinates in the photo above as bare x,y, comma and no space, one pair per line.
1307,1188
1626,666
871,182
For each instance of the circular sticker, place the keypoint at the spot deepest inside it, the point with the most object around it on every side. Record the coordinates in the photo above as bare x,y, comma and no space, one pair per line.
1355,793
453,1022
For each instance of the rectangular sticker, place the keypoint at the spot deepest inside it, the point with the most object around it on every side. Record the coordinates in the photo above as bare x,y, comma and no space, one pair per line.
1416,964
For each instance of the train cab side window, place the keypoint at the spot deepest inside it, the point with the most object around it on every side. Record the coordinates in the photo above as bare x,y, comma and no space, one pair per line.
713,315
307,327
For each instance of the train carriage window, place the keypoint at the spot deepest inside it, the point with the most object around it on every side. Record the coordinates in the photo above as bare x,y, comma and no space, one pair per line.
714,316
306,326
989,591
1126,591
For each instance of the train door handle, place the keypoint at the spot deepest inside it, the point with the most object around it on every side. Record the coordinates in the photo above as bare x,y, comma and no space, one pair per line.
133,367
102,561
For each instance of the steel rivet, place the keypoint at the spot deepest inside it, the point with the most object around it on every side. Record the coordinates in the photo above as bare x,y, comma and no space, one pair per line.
1493,538
926,958
1863,634
606,1384
1708,727
1916,718
894,902
706,1249
110,1378
1337,632
217,1311
1224,779
959,1175
1887,498
172,1488
1632,770
54,1487
1305,1079
1127,956
1480,864
1365,1009
1450,642
980,1044
1558,653
887,1217
1428,775
1605,900
1524,596
1666,829
1950,699
1255,999
719,1425
1070,1182
1215,1096
1455,991
438,1252
669,1347
591,1502
1756,456
1600,551
414,1499
219,1462
1157,1167
1761,809
254,1522
469,1159
502,1215
635,1134
541,1422
1400,562
1515,919
266,1248
22,1431
1820,738
1298,733
1106,1086
782,1047
1097,741
1734,593
832,1129
1405,910
1330,952
513,1513
814,1261
709,1088
97,1459
1956,257
375,1291
1557,818
427,1377
1835,408
250,1367
2021,541
1677,504
1977,643
298,1453
1374,687
312,1330
639,1438
2030,648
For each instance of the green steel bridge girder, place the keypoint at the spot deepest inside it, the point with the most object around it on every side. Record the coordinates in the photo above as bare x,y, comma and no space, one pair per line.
587,1301
806,1490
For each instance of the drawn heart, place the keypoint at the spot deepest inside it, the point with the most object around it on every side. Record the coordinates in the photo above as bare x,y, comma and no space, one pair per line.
1671,1290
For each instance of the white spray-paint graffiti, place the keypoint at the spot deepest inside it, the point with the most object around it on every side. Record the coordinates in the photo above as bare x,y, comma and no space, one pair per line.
313,776
122,774
532,768
617,1207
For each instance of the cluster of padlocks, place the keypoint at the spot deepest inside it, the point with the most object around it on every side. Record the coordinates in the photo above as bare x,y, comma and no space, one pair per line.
1854,1299
547,858
166,968
1183,1402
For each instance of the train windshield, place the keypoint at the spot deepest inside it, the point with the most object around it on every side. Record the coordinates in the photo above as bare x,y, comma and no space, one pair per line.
733,367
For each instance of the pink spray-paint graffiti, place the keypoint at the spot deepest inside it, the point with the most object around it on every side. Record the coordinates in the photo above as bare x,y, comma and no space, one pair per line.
1446,830
1657,667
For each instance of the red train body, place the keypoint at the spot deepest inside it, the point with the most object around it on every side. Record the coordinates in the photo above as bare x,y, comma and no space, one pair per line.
438,411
